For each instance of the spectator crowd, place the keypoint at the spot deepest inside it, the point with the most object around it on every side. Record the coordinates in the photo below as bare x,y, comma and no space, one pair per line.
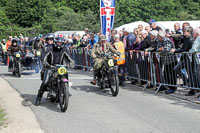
151,38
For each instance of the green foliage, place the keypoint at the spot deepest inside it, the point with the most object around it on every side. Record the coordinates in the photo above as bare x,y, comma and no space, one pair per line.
27,12
2,117
31,17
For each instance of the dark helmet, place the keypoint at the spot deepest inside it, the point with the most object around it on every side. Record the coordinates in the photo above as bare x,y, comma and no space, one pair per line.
14,41
49,36
57,40
37,39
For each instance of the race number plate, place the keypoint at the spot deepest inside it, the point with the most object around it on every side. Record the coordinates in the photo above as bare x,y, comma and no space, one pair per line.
62,71
17,55
111,63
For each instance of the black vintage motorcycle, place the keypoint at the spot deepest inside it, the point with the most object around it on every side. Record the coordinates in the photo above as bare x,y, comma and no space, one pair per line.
58,87
108,75
16,64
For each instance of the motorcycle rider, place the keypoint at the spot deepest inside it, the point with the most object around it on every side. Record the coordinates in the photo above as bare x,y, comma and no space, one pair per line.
3,50
12,49
98,50
36,46
56,55
48,45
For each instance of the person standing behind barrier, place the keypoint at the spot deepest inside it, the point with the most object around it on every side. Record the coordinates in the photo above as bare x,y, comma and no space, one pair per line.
184,63
146,43
129,39
84,42
112,39
168,62
178,36
119,46
121,35
92,41
77,41
148,29
140,26
196,44
154,41
153,25
196,49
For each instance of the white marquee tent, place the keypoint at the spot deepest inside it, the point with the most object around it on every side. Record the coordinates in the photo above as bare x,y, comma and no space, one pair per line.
163,24
132,26
170,24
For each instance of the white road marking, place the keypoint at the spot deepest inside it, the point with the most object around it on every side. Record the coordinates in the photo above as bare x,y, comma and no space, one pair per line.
70,84
39,78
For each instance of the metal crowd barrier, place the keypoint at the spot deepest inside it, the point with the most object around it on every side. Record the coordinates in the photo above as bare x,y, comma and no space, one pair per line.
165,69
139,67
157,69
82,58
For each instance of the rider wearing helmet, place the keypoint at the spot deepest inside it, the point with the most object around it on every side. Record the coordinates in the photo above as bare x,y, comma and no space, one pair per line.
49,43
56,55
98,50
3,50
12,49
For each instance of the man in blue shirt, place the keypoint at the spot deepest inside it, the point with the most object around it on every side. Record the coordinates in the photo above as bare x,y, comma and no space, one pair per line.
92,40
130,40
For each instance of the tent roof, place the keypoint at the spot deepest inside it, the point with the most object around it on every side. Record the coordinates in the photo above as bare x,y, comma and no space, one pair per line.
132,25
163,24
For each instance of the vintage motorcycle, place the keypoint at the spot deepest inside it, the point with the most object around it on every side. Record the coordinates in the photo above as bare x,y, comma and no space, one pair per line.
108,74
58,87
16,64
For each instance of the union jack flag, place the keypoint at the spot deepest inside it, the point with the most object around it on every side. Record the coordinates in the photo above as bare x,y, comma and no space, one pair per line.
107,11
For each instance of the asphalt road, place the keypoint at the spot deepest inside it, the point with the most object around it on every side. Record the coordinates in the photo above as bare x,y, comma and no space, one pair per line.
95,111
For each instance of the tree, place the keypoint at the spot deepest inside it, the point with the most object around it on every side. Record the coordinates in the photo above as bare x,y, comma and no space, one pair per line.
27,12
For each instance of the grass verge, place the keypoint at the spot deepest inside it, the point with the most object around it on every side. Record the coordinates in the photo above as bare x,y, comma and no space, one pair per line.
2,117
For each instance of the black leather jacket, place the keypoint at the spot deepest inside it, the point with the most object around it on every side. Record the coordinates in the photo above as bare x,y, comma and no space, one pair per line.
187,45
57,56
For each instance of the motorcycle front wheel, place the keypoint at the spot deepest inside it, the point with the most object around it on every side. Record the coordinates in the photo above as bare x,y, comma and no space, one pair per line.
114,85
64,96
18,69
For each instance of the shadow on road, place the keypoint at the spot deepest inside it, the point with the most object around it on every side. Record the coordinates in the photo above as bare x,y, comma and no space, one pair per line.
175,100
29,100
93,89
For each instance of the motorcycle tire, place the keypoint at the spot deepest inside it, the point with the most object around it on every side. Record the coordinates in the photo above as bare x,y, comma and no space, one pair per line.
18,70
115,86
63,96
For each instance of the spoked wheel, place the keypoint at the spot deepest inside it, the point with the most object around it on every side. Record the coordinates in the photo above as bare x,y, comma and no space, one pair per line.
64,96
114,86
13,70
102,86
18,69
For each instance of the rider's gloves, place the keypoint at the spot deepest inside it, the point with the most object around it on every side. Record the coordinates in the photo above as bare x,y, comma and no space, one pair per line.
53,67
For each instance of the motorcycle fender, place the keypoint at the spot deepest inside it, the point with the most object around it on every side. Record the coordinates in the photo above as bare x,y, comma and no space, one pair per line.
65,80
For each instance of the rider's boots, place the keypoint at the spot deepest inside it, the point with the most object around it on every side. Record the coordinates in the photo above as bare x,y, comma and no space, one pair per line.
94,81
39,97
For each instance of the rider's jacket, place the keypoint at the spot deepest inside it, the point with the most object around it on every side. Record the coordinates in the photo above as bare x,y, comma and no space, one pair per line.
3,47
57,56
13,49
120,48
98,50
